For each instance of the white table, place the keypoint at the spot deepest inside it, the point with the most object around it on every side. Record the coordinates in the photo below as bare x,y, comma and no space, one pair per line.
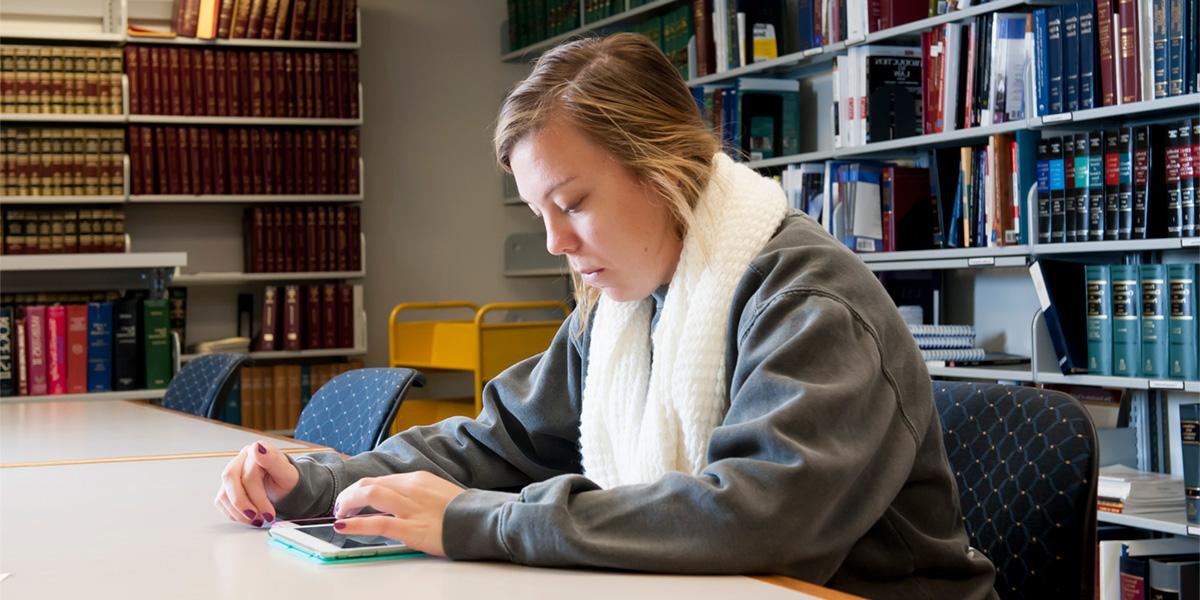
71,432
149,530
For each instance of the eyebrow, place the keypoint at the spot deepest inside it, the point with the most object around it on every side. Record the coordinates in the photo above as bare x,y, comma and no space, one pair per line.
556,185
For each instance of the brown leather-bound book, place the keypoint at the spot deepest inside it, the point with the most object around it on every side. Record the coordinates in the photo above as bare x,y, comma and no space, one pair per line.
296,23
282,13
256,160
352,155
268,152
354,238
241,18
184,72
287,239
262,398
135,161
278,84
279,240
133,66
196,155
219,85
316,10
155,92
333,22
225,18
322,239
310,239
1131,79
256,79
174,103
277,159
187,13
247,396
291,318
342,246
330,84
256,18
267,75
219,156
345,327
145,157
293,396
310,164
349,21
208,92
277,398
159,167
337,179
352,63
329,308
233,84
312,317
268,337
245,74
324,158
270,13
268,236
257,240
245,169
169,169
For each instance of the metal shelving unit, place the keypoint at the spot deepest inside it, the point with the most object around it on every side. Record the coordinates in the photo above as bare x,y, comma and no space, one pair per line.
1165,522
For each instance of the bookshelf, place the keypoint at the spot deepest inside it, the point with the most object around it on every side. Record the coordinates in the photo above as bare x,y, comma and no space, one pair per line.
87,262
532,50
293,355
1175,524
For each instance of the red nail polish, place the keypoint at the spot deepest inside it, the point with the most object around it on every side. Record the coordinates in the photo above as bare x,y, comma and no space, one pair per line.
268,517
339,525
261,449
249,513
256,522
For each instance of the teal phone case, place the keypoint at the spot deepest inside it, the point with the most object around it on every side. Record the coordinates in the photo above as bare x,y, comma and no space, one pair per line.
339,561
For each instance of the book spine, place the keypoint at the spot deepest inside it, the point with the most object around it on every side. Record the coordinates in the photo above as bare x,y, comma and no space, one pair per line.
1099,320
1131,87
100,347
268,338
1181,322
355,238
56,349
1141,182
1104,35
8,380
345,309
1127,334
1154,320
1095,155
1087,54
1043,192
1054,28
1160,26
1189,147
1189,434
314,317
329,333
291,318
1071,61
1058,186
126,345
156,327
22,342
1112,182
1082,187
1174,188
77,347
1176,17
1124,216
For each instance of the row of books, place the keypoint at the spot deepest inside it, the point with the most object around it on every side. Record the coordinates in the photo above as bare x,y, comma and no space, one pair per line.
531,21
298,239
310,317
1121,320
1119,183
243,160
876,94
255,83
80,348
271,398
63,231
312,20
48,161
60,80
1132,564
757,118
1093,53
672,33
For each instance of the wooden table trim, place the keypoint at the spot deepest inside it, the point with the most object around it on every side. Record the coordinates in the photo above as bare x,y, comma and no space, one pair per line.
811,589
150,457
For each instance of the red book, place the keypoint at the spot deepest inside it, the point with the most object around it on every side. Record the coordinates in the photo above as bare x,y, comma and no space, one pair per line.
310,20
204,178
256,18
350,21
337,184
186,94
77,344
195,152
173,168
324,159
56,349
1104,37
286,236
893,13
206,88
313,317
233,83
156,91
270,324
267,159
256,79
219,156
352,62
299,10
270,13
35,350
329,84
345,326
136,176
310,237
342,245
257,240
310,164
220,84
329,311
245,74
246,168
312,85
1131,79
322,239
183,165
133,66
160,160
706,52
352,156
146,158
322,25
191,18
354,238
291,317
174,85
279,74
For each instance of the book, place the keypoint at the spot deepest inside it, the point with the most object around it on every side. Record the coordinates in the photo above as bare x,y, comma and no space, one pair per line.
1130,491
1126,320
56,349
291,318
1141,226
8,380
268,337
1189,434
156,328
77,348
127,345
1155,298
1174,578
1099,320
100,347
36,350
1060,288
1181,322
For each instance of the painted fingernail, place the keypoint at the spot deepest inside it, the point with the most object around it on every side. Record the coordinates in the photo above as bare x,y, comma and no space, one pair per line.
268,517
249,513
339,525
256,522
261,449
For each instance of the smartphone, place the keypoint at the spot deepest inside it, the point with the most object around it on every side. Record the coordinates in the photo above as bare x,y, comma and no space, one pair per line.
318,538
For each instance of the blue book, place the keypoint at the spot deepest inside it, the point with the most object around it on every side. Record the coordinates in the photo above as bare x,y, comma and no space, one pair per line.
1070,60
1161,25
1058,191
1027,178
1126,317
8,381
1054,55
1041,41
1154,321
1099,320
1043,192
1181,322
100,344
1059,287
1189,434
1087,54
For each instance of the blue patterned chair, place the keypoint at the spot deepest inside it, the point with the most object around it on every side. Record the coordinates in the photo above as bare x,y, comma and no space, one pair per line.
353,411
1025,461
201,383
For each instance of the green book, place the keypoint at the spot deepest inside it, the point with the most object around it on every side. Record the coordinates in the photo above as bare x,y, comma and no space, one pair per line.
1181,321
1154,321
1127,313
156,325
1099,320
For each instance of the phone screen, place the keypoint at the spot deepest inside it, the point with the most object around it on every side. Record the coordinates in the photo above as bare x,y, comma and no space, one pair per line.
323,530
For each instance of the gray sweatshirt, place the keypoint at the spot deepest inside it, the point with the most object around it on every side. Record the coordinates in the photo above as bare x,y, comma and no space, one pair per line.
828,466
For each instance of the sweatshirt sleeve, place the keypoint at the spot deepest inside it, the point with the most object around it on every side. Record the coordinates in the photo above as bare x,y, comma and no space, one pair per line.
528,431
809,456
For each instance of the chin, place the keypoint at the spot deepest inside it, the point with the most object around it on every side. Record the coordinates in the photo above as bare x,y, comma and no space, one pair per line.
624,295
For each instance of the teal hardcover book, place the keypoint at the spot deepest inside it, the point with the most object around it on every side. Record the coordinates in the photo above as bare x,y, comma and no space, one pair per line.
1154,321
1099,320
1126,317
1181,321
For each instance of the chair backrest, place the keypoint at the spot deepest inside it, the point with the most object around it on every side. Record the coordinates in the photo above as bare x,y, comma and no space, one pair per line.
352,412
1025,461
199,385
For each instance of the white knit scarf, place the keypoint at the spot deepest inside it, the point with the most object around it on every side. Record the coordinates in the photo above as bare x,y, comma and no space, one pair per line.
644,417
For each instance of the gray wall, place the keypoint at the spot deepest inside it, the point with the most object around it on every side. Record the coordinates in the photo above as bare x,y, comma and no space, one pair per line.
434,220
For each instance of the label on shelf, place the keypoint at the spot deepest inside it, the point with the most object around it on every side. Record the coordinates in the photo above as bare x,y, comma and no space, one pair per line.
1166,384
984,261
1058,118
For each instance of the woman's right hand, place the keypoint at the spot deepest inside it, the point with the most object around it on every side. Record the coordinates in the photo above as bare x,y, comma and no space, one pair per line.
258,477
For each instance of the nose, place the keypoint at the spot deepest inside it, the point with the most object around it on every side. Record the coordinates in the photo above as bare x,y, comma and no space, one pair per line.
560,238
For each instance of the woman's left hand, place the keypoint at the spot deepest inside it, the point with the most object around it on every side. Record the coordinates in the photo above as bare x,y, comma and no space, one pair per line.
416,501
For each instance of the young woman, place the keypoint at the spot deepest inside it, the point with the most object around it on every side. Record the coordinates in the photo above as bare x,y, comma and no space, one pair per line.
735,392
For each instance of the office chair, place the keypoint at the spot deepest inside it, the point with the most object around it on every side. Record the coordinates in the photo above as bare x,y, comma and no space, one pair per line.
1025,461
201,383
353,411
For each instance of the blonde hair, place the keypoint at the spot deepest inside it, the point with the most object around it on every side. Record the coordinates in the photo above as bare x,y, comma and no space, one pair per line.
625,96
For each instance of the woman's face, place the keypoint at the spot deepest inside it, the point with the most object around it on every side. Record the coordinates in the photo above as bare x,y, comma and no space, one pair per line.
614,231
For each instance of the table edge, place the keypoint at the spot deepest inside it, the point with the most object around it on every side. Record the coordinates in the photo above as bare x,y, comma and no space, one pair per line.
804,586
